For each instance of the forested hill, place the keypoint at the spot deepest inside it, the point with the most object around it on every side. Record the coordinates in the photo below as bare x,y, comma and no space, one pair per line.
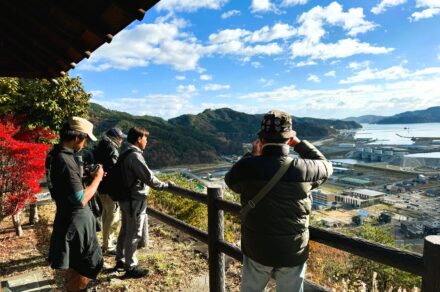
367,119
430,115
203,137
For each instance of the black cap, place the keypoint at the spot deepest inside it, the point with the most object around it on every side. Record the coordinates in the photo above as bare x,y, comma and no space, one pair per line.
116,132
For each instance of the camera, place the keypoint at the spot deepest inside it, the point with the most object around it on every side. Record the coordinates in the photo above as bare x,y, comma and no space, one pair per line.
90,168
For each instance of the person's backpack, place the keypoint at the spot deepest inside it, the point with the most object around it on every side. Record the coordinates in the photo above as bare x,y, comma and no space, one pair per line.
114,184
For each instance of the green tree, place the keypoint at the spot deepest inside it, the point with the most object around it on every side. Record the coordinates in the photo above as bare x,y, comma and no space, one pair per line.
8,90
387,277
44,103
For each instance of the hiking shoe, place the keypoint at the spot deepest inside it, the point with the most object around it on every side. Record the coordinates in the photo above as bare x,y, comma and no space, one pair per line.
120,266
110,252
136,272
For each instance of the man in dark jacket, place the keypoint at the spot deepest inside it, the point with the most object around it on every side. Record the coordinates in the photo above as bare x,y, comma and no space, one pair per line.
275,232
139,178
107,153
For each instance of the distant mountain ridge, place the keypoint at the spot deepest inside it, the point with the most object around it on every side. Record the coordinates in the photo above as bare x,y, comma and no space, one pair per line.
367,119
430,115
203,137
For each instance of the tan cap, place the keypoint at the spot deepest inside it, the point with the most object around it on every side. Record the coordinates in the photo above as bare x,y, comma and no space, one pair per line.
83,126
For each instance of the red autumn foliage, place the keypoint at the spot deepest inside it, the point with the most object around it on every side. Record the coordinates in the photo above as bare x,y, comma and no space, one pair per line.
22,159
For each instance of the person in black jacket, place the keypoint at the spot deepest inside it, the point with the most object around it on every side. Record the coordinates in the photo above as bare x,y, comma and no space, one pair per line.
274,234
107,153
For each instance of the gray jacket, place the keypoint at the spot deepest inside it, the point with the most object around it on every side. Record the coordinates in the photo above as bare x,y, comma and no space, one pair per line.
138,176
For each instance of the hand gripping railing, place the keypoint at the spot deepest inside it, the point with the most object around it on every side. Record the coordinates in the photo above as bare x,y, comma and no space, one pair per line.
427,266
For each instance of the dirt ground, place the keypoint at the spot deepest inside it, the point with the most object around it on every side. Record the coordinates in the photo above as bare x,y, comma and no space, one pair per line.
174,264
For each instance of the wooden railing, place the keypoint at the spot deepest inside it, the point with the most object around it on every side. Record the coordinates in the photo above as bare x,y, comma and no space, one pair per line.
427,266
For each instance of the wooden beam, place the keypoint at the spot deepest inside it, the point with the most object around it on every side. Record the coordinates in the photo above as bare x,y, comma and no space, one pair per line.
24,35
135,12
40,64
31,67
77,18
32,18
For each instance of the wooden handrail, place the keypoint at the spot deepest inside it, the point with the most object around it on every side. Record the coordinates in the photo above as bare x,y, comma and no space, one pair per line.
393,257
403,260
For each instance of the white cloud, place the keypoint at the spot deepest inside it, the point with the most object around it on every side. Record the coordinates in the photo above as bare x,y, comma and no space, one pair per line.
341,49
305,63
257,64
162,105
313,78
266,82
312,31
205,77
265,34
134,91
165,43
358,65
430,9
384,4
293,2
385,98
189,5
159,43
392,73
180,77
230,13
97,93
427,71
215,87
187,90
330,74
313,21
261,6
268,34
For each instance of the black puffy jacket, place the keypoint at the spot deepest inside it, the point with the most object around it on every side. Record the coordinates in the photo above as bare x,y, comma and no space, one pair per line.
105,153
275,233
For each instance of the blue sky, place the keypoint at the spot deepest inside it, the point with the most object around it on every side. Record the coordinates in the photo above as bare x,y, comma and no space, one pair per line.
325,59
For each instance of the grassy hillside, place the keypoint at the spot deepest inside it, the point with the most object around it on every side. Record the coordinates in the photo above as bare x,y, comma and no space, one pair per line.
202,138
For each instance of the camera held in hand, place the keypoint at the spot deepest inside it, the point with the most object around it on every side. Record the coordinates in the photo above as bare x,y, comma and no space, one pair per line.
90,169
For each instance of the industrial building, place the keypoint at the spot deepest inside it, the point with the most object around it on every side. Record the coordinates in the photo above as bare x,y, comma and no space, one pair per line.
322,199
420,229
378,154
360,182
429,160
360,197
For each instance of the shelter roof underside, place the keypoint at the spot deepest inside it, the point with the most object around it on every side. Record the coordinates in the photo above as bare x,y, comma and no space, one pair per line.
46,38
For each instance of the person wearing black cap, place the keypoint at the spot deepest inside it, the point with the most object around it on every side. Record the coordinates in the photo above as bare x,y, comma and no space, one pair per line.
274,192
107,153
74,245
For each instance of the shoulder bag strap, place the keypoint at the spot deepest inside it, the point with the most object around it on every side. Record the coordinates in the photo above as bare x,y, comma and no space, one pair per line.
273,181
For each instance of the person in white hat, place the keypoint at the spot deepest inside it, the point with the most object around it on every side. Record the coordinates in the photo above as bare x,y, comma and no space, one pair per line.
74,245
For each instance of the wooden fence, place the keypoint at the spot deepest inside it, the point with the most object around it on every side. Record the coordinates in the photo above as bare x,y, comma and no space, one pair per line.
427,266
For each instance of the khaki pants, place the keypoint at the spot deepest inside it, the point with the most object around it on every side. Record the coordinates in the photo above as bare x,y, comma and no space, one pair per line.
110,216
75,282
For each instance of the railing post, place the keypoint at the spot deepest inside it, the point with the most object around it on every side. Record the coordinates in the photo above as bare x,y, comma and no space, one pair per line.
215,233
431,259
